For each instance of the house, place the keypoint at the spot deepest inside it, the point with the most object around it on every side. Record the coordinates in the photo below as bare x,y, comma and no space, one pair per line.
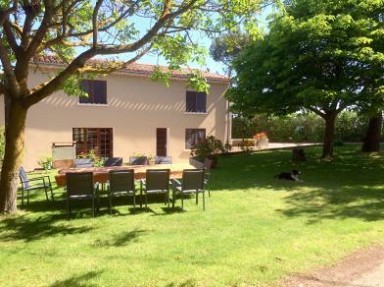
126,113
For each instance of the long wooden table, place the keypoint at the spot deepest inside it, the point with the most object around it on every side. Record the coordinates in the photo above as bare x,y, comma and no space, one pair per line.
101,174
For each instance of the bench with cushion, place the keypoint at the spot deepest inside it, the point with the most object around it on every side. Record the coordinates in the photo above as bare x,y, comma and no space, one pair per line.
83,162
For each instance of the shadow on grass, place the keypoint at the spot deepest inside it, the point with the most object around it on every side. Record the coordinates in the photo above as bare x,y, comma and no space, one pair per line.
345,202
349,186
30,229
122,239
187,283
77,281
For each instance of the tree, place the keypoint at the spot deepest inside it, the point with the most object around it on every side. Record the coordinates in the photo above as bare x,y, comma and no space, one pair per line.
322,56
226,48
76,31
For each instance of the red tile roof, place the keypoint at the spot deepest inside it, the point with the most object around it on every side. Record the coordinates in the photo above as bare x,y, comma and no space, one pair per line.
136,69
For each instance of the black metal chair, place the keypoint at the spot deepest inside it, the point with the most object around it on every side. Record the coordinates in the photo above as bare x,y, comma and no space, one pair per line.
121,183
31,184
193,181
80,186
156,181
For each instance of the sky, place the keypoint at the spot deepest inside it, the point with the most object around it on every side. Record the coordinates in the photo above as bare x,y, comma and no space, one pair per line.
211,65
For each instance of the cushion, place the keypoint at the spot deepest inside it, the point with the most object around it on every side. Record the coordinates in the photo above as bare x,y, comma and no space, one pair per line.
83,162
114,161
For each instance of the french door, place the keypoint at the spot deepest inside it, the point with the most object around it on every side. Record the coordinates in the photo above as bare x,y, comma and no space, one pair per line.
99,140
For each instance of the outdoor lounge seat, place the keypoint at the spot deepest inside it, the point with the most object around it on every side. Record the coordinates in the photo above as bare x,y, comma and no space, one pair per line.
83,162
163,159
114,161
156,181
121,183
193,181
140,160
36,183
80,186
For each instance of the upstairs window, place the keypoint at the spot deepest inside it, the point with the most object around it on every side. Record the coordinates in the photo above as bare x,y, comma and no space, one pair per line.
96,90
196,102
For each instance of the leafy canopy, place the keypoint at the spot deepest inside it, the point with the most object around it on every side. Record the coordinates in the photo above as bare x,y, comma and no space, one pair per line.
76,31
319,55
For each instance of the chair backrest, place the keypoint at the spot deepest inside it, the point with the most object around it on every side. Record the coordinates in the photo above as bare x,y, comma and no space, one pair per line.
122,180
157,179
23,178
79,183
193,179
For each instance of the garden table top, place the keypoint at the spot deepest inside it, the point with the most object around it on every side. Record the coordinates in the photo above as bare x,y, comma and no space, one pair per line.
101,174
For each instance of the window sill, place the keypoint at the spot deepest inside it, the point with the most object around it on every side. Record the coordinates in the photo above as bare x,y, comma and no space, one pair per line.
196,113
93,105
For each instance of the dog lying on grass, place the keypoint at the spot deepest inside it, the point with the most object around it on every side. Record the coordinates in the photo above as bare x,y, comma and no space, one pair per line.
293,175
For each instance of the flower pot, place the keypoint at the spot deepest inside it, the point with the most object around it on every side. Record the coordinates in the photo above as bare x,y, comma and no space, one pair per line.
262,143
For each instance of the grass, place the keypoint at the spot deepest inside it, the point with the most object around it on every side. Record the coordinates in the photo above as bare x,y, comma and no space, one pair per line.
255,230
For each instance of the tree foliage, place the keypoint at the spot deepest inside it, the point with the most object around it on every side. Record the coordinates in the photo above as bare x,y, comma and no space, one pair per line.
226,48
77,31
322,56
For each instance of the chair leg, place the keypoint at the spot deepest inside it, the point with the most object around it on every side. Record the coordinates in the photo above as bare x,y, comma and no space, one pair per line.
22,197
141,195
167,199
173,198
93,207
197,197
46,192
134,203
146,200
110,203
203,200
68,209
182,200
50,187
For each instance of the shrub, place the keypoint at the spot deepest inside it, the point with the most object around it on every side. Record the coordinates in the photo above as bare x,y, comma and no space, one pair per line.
301,127
97,161
207,147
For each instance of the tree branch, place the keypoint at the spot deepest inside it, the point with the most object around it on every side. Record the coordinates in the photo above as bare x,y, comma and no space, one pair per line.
95,24
42,91
8,71
4,13
41,31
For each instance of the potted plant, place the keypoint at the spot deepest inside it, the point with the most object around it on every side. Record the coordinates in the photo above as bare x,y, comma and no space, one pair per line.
262,140
45,162
151,160
208,149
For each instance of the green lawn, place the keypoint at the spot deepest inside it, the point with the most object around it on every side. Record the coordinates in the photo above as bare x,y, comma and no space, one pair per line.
255,230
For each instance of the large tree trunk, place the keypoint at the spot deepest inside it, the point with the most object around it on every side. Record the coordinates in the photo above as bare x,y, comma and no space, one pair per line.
372,138
329,135
14,147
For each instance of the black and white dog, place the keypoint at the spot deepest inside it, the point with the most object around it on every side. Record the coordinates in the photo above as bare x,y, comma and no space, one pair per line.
292,175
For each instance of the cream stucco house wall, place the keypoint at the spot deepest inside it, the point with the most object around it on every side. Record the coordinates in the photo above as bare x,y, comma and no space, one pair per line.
139,115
